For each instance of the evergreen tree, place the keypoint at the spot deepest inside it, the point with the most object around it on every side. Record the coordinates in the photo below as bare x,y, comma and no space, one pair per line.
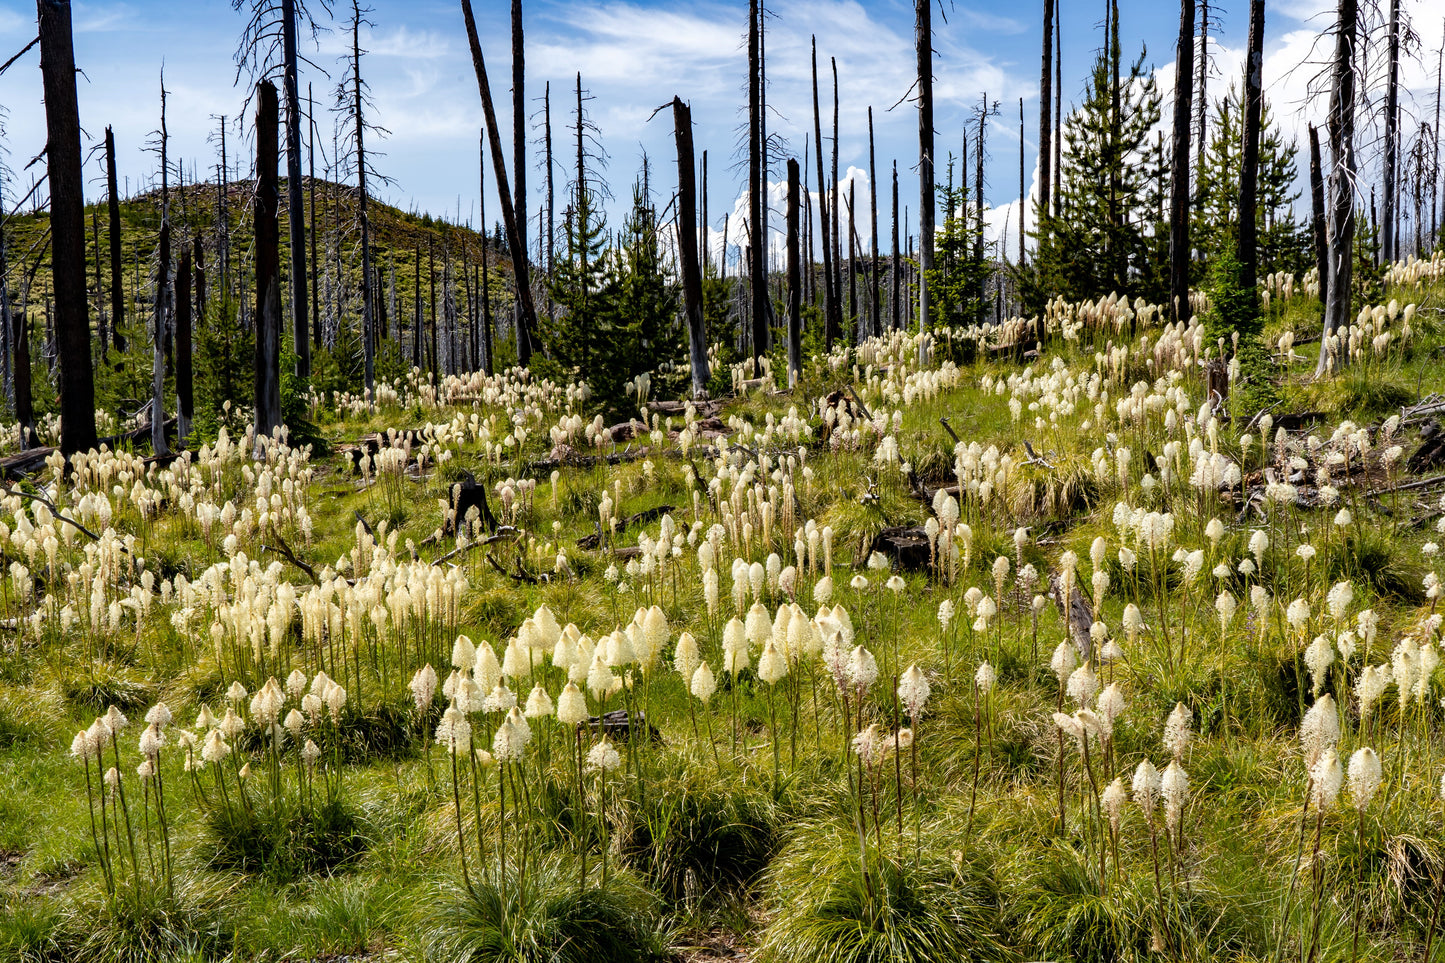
957,282
1099,239
1283,241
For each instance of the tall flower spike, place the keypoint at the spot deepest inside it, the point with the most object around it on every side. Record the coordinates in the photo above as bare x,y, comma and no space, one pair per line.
1325,779
703,683
1147,786
571,706
1178,730
1364,777
1320,729
913,691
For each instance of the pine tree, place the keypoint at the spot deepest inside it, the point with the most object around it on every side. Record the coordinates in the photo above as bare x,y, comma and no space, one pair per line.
1283,241
1095,244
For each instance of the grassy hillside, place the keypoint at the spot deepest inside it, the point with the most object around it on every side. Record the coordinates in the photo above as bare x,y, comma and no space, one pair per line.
871,744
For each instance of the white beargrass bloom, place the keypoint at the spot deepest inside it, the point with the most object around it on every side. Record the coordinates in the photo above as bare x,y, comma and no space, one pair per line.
423,686
1178,730
1369,686
1063,661
310,753
1319,656
295,722
1082,685
464,653
571,706
1320,729
870,745
945,613
1174,787
703,684
1326,778
772,667
454,732
1364,776
984,678
686,657
1147,786
913,691
1111,800
159,715
603,757
862,668
539,704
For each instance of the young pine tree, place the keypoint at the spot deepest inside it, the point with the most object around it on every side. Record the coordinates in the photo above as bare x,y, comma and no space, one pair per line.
1284,243
1095,243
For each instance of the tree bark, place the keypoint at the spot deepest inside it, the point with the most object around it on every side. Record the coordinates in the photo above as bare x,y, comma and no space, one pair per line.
368,306
1317,211
830,294
1179,196
1046,130
1201,97
795,287
185,401
161,331
311,161
923,46
1392,132
515,241
895,305
486,284
1341,184
1058,128
519,164
687,247
295,198
1249,166
873,305
757,228
1023,187
117,269
75,379
267,400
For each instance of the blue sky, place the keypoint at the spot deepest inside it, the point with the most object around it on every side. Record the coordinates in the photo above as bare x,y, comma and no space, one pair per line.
634,56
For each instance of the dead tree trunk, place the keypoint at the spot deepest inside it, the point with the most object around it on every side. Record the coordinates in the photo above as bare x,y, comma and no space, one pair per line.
923,46
1201,97
368,320
519,164
117,269
527,320
1342,185
311,162
67,228
1249,166
1179,250
184,394
1317,212
162,313
874,306
1392,132
1046,131
295,199
687,247
895,305
757,229
829,293
486,284
795,288
268,268
836,322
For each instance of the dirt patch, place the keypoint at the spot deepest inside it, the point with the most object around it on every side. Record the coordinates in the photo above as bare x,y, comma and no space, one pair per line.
714,946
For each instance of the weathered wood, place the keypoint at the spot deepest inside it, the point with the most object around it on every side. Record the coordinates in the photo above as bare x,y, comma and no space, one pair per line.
1077,615
639,518
74,375
619,726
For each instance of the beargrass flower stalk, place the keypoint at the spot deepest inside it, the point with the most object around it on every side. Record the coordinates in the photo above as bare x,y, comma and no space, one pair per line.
983,680
1439,890
572,712
601,758
913,691
1112,802
454,733
115,723
1147,786
1364,781
1326,777
772,669
82,748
